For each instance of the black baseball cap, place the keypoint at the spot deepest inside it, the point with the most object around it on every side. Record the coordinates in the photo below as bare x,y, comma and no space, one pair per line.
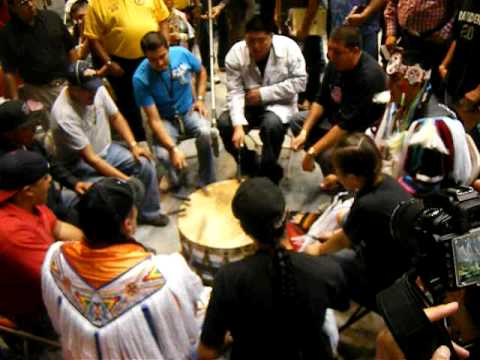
259,204
113,196
14,114
20,168
81,74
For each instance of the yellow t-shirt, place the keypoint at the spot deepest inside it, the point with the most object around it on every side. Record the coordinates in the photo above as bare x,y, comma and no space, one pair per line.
181,4
121,24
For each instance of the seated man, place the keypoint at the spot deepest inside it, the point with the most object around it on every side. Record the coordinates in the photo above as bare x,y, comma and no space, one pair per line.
108,297
264,75
81,118
17,129
28,229
345,101
163,88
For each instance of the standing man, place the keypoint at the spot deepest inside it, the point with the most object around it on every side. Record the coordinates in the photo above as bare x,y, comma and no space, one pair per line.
115,29
345,101
163,89
312,44
362,13
459,67
36,44
28,229
81,119
424,27
265,72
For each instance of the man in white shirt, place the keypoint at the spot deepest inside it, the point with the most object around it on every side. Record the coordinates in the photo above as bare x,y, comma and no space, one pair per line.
265,72
81,120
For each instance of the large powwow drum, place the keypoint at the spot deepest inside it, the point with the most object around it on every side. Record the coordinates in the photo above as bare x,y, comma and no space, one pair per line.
210,235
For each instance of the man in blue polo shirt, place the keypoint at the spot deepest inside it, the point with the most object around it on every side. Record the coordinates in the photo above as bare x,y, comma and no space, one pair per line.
163,89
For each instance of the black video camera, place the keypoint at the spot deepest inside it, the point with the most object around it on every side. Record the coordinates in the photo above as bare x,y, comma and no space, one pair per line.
444,232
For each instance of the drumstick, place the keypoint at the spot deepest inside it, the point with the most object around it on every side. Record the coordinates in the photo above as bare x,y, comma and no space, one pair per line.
176,211
239,162
181,197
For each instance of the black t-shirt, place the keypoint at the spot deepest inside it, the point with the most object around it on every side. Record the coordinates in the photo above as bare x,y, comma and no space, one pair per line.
368,228
38,52
242,302
347,96
464,71
262,64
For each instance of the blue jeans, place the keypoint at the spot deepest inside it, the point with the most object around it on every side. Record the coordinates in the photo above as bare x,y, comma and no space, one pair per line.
197,127
122,159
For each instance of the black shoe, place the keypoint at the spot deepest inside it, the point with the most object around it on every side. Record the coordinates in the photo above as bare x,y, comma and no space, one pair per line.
161,220
249,162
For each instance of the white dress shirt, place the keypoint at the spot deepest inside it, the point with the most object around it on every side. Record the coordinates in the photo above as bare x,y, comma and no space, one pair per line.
284,77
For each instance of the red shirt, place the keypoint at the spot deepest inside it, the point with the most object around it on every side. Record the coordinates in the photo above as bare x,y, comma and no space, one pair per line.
4,16
24,241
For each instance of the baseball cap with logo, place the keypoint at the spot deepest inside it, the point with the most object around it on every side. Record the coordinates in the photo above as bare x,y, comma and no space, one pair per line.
15,114
81,74
18,169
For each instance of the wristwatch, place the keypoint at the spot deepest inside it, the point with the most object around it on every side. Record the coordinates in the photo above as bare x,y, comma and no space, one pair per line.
200,98
132,144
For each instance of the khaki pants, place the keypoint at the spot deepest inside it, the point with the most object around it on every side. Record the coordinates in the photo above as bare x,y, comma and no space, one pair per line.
46,94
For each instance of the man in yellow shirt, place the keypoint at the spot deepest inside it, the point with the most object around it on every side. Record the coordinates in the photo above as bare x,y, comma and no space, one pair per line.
182,4
115,28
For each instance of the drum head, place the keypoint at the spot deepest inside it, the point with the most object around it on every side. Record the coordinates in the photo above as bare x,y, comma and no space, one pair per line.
208,219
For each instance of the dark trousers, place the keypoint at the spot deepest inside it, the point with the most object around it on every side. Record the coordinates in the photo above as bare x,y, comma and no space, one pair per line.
359,288
315,62
315,134
429,55
204,41
123,88
272,133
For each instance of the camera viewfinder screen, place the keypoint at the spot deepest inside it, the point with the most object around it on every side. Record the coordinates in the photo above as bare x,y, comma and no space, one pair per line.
466,252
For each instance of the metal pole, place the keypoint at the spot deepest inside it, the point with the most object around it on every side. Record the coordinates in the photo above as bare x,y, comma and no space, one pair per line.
214,131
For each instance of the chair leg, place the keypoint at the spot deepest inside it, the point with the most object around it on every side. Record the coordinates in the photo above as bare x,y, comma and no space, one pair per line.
290,156
26,355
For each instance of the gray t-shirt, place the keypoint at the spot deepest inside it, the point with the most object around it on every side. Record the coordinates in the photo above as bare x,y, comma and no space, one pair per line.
75,126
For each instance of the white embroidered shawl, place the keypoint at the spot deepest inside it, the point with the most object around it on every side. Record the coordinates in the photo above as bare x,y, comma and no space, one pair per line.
147,312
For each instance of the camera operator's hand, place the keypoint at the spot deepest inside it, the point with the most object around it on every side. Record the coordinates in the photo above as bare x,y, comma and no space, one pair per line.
442,353
387,348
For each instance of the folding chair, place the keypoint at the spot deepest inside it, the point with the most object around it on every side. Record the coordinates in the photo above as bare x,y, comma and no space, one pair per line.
9,327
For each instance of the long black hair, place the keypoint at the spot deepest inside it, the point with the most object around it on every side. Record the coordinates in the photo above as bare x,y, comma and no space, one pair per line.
356,154
259,204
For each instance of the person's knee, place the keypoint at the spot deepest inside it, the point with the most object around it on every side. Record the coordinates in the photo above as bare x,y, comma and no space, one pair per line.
146,166
204,135
296,122
161,153
272,123
224,122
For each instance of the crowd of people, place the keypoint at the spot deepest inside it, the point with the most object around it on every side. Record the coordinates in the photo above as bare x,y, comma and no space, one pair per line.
390,113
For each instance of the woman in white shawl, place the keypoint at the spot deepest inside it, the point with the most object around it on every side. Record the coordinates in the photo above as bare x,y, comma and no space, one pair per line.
108,297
